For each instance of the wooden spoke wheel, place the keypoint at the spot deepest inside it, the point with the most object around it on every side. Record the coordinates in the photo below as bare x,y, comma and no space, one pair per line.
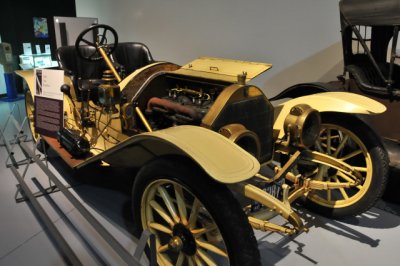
196,220
348,139
30,111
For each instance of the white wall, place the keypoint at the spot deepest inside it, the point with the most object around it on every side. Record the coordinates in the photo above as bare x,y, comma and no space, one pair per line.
301,38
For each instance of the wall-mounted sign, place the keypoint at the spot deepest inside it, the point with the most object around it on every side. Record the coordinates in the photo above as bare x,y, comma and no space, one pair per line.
40,27
48,101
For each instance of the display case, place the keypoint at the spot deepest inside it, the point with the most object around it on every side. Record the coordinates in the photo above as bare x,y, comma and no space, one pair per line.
36,61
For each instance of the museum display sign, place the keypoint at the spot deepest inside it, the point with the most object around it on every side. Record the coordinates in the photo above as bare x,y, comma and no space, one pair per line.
48,115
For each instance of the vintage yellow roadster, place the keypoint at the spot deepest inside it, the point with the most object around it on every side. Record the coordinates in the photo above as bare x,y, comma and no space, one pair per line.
203,140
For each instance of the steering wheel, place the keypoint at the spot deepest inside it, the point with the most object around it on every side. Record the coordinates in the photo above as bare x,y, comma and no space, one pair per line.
99,33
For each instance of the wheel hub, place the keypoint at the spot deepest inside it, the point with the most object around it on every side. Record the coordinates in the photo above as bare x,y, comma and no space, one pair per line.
182,240
175,244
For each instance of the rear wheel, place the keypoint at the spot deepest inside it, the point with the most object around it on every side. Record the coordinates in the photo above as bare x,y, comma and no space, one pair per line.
30,111
41,145
350,140
196,220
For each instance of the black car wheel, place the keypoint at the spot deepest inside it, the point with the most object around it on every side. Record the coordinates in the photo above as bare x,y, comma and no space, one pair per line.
196,220
30,111
347,138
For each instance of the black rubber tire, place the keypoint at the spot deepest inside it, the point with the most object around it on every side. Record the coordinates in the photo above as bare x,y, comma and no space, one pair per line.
41,145
30,110
220,203
380,164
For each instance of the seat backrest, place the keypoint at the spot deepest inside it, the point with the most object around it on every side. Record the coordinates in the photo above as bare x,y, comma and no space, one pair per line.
132,55
74,65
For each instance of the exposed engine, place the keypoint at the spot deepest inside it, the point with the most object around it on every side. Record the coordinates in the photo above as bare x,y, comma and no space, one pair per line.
182,106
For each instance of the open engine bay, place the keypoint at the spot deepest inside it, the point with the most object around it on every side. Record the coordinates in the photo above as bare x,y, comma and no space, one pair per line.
110,115
170,100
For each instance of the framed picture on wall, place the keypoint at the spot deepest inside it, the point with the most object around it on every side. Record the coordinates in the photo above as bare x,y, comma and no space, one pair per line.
40,27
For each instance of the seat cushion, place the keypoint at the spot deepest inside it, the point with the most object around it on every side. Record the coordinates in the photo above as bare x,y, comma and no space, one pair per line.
132,55
78,67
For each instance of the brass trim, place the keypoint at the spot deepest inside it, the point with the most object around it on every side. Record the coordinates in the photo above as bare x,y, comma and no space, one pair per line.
109,64
281,208
300,131
266,226
237,132
144,120
330,161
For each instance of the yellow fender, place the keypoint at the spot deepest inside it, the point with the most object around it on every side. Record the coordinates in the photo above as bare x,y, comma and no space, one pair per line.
220,158
343,102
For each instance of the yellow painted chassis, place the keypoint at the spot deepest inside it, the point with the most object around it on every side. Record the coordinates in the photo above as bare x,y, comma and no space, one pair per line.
220,158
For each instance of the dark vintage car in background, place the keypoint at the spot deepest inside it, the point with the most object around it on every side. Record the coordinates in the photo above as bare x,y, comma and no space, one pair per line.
369,32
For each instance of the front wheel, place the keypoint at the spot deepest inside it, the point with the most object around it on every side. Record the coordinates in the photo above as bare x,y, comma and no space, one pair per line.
347,138
196,220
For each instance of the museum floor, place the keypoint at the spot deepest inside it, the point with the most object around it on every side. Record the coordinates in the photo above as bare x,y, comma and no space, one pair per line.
368,239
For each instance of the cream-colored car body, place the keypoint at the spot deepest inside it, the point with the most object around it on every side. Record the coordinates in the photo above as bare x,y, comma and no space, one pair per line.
342,102
223,160
218,156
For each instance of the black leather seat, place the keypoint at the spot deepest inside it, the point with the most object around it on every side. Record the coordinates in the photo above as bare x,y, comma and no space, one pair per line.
132,55
70,62
85,74
366,75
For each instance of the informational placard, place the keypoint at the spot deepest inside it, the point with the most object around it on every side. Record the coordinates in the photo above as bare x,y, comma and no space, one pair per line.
38,50
27,48
47,49
48,101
